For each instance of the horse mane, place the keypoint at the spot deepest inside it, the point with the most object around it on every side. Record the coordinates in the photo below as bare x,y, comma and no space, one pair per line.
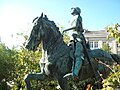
50,25
47,24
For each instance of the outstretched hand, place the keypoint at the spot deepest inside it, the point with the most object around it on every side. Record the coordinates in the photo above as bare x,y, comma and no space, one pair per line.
64,31
67,30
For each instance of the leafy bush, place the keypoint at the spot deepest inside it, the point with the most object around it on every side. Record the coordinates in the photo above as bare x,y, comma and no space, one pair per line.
113,80
7,65
27,62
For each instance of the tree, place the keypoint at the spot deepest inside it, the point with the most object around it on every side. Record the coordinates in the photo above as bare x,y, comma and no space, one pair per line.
7,65
113,81
114,32
106,48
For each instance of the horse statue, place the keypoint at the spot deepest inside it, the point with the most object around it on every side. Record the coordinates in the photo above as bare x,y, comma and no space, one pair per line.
56,56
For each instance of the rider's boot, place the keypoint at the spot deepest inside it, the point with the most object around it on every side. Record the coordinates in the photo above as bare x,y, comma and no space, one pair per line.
79,57
75,69
78,61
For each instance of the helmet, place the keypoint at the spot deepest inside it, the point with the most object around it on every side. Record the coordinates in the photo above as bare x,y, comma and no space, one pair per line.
78,10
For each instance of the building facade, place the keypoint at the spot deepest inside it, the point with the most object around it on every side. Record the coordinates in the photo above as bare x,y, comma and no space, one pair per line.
98,38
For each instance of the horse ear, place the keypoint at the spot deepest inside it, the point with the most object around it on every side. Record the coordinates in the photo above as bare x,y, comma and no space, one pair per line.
41,15
46,17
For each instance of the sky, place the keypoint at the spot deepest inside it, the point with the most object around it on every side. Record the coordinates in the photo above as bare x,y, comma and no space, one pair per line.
16,15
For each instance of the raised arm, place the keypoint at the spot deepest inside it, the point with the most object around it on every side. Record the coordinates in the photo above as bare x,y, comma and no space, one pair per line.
68,30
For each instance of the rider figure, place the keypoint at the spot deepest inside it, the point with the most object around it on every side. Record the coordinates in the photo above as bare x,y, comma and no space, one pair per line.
75,32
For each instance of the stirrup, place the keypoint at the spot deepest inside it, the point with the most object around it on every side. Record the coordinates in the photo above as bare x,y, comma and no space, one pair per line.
68,75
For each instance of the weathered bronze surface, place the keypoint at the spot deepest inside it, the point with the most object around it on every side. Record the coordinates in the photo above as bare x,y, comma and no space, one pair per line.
56,60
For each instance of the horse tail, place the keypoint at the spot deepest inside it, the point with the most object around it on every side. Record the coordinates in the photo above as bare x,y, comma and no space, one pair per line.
116,58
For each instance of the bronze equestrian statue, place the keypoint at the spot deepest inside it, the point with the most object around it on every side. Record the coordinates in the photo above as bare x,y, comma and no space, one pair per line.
56,59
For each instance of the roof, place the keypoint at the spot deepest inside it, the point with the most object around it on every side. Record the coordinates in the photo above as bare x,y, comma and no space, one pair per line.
100,33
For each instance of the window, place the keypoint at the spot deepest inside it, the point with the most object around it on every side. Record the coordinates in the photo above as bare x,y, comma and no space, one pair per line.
91,44
104,43
95,44
117,45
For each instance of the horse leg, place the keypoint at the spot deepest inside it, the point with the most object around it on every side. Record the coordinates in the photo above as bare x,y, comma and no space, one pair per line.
99,79
37,76
63,83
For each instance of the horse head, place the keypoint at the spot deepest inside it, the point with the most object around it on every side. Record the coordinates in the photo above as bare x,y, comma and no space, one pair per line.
44,31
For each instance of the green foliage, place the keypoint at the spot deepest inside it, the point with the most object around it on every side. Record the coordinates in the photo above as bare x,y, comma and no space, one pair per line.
27,62
15,64
114,32
106,48
7,65
66,39
113,81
